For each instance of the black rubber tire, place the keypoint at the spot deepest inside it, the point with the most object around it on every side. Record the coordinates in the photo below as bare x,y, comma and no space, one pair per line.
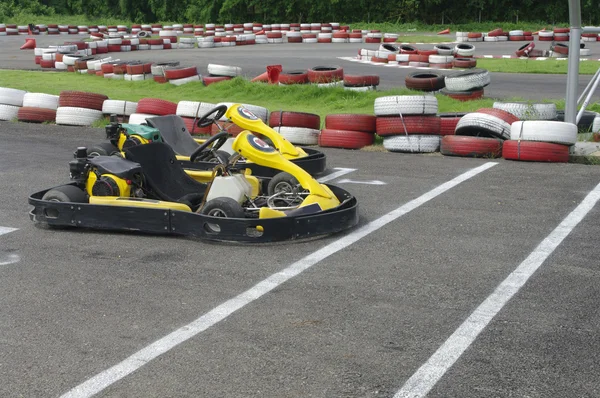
226,207
280,179
425,81
102,149
66,193
585,123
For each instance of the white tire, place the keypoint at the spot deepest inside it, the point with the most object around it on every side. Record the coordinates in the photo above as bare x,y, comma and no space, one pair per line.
464,50
490,125
119,107
584,52
526,111
462,34
490,38
546,33
8,112
72,116
415,143
406,105
440,59
139,118
224,70
193,108
179,82
596,125
515,33
544,131
69,60
40,100
363,88
467,80
299,135
11,96
443,49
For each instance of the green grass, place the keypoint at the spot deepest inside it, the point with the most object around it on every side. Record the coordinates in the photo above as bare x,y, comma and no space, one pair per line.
470,27
300,98
405,38
515,65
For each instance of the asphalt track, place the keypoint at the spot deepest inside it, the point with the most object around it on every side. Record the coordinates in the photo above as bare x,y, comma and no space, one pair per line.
254,59
359,322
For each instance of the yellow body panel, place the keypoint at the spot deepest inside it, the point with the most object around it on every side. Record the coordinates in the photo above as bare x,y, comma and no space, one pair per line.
137,202
123,137
124,188
284,146
265,212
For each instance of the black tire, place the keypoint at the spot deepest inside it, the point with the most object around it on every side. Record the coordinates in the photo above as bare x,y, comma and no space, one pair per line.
223,207
282,182
66,193
102,149
425,81
585,123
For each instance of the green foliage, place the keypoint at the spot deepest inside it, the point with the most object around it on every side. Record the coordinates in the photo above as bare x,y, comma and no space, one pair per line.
399,15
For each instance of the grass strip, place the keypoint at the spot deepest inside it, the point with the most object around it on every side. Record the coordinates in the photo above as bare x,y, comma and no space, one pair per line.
549,66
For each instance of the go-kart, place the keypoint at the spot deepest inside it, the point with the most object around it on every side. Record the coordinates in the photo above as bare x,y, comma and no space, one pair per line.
148,190
172,131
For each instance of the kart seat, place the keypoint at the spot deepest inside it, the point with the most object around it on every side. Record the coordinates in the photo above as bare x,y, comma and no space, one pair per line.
173,132
165,176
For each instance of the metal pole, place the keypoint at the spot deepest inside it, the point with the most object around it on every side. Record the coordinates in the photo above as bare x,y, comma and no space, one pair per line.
582,96
573,66
596,80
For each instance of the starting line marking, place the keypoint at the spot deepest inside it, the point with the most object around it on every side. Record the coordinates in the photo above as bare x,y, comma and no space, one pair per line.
129,365
427,376
6,230
12,257
369,182
340,172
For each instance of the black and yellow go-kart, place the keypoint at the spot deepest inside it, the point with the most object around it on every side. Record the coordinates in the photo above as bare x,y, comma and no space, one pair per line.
172,131
148,190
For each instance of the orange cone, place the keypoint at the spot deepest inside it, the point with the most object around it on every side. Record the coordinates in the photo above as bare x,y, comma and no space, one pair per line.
29,44
273,72
261,78
444,32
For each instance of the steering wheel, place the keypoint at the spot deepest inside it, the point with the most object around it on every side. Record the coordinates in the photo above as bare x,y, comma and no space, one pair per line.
206,120
203,150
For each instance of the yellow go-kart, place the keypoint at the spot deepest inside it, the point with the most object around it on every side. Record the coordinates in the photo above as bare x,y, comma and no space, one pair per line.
148,190
172,131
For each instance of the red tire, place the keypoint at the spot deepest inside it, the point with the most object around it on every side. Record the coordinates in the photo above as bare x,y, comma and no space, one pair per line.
155,106
379,60
180,73
500,114
193,127
138,69
80,99
495,32
361,81
351,122
464,62
561,30
387,126
159,79
424,81
516,38
294,77
408,49
474,35
464,95
418,58
525,49
372,40
36,115
46,63
295,119
427,52
325,74
345,139
107,68
561,48
544,38
472,147
448,122
535,151
207,80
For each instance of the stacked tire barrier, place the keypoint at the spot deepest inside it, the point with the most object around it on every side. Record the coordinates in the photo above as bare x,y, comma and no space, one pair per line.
540,141
10,102
441,56
297,127
191,112
38,108
466,85
479,134
78,108
119,108
408,123
151,107
348,131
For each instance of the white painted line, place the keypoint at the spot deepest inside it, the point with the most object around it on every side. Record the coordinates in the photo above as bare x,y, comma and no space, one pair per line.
369,182
10,259
438,364
340,172
109,376
6,230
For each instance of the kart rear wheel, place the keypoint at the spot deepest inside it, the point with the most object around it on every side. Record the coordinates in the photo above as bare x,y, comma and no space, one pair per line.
103,149
66,193
282,182
223,207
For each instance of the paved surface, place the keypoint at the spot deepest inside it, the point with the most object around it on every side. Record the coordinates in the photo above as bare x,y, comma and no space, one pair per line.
253,60
357,324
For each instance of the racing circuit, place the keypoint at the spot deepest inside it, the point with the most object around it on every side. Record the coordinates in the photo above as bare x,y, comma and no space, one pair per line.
464,278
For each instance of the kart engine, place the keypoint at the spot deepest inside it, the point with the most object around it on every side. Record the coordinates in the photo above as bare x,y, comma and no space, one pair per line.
110,185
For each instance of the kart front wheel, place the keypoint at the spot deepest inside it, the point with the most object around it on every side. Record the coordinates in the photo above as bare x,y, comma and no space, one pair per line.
223,207
103,149
66,193
282,183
